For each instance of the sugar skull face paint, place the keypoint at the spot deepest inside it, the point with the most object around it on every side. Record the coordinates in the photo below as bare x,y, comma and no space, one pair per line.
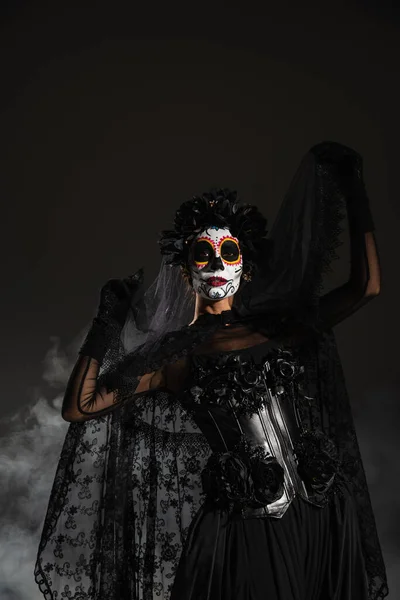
215,263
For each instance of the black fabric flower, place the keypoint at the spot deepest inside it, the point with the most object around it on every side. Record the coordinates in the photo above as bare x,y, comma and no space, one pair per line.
318,460
268,477
284,368
248,386
227,478
248,377
244,476
219,207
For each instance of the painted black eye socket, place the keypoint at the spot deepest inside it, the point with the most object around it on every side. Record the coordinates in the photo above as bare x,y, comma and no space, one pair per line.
202,252
230,251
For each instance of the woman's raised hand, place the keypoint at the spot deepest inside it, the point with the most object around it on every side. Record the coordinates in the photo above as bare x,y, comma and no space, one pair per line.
116,297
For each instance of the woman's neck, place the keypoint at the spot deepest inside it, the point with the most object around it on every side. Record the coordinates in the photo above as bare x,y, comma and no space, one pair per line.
212,307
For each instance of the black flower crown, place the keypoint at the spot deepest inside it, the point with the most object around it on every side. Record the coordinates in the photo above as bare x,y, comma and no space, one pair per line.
219,207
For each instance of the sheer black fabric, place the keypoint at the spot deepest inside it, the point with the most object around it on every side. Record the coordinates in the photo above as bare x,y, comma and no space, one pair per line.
130,481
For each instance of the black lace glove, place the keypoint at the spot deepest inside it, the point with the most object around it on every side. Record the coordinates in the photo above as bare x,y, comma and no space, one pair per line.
346,166
116,298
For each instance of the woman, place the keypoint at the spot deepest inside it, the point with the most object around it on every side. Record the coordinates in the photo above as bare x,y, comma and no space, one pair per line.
214,456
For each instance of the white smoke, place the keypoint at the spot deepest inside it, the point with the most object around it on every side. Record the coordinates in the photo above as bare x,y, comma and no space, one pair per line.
57,366
29,453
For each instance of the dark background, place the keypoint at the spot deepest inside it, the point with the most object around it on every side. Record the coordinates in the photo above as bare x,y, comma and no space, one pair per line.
112,114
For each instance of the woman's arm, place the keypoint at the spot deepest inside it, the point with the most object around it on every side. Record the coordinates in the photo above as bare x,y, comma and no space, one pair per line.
346,168
84,399
364,282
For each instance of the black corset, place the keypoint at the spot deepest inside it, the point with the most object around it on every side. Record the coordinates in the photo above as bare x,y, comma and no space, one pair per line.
248,404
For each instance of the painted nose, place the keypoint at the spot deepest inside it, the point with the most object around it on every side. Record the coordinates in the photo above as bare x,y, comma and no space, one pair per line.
217,264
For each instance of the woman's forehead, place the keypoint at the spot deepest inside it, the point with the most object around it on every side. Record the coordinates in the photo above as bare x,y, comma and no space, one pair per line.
215,234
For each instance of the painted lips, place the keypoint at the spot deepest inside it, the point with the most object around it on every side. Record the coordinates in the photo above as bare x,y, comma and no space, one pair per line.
216,281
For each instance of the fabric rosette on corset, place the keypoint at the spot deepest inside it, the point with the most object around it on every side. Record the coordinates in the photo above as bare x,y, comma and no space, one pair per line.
285,371
243,477
318,464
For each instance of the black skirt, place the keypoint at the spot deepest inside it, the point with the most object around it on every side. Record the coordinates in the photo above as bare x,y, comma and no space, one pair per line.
310,553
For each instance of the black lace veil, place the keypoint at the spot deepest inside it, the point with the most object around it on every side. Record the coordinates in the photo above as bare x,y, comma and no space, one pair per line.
288,279
287,282
303,239
101,526
166,305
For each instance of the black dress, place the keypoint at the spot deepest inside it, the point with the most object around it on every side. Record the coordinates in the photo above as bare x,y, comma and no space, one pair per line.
303,544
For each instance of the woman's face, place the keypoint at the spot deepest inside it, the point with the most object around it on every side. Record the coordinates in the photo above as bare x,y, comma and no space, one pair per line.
215,263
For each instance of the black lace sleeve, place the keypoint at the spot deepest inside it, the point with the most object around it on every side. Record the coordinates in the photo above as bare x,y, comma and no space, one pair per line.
84,397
